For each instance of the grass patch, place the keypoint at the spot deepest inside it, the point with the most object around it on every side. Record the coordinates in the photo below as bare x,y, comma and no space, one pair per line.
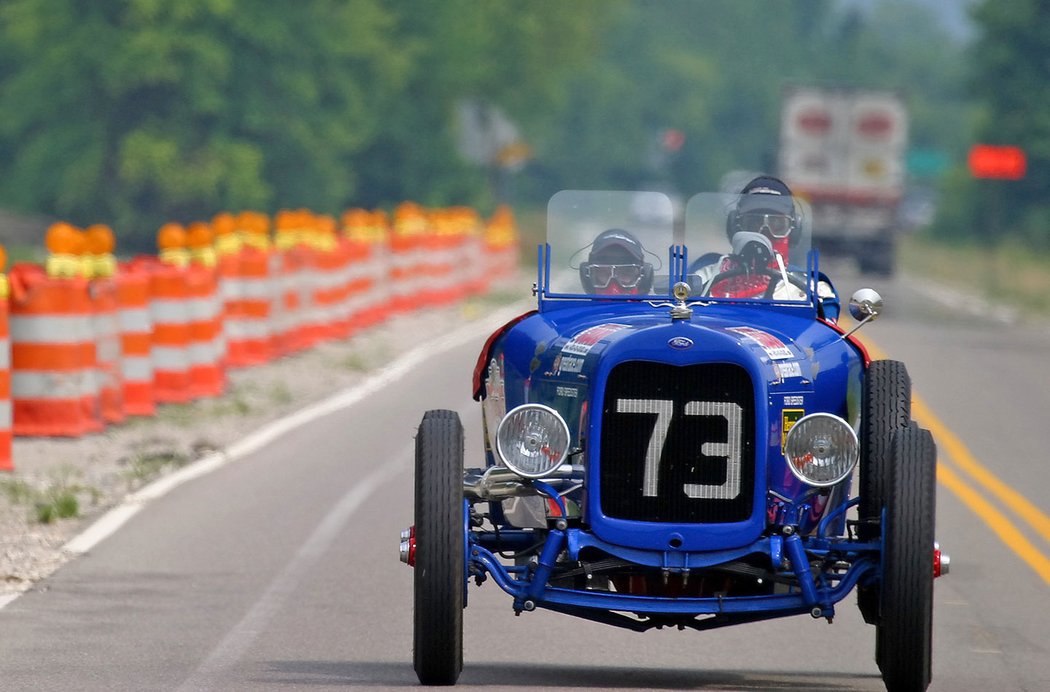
280,394
1007,273
145,466
57,503
61,498
355,362
17,491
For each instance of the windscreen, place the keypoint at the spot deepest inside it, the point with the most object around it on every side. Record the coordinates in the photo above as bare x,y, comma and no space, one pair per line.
748,246
605,243
623,245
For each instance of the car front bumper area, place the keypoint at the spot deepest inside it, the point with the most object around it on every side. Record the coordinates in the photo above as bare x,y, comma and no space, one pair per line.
813,591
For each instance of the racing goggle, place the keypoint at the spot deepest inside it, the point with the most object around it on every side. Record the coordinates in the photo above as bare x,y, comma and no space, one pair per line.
627,275
776,225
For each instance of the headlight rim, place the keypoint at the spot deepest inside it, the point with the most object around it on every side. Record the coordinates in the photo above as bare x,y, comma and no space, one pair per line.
855,440
558,419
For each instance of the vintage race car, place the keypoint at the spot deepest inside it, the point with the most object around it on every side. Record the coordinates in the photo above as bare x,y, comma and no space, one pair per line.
679,451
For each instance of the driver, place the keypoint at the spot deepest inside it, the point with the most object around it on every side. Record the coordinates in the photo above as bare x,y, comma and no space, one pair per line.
762,228
616,265
759,229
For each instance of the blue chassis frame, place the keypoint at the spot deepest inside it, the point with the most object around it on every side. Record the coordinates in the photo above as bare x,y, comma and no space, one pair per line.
815,593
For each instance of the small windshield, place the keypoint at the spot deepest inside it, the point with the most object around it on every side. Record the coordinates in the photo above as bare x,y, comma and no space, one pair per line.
624,244
748,246
609,243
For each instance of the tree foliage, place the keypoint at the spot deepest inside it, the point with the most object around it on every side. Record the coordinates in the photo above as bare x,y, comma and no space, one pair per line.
1011,72
136,112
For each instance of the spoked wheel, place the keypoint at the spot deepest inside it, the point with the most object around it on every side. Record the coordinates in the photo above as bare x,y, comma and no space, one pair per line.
439,559
886,408
903,639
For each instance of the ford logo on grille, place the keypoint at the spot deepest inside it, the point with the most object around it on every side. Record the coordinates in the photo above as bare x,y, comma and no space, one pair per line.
680,342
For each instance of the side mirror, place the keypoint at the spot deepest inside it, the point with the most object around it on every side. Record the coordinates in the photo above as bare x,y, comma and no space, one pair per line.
865,306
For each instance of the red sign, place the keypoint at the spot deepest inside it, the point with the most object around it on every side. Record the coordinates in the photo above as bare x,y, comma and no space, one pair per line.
1002,162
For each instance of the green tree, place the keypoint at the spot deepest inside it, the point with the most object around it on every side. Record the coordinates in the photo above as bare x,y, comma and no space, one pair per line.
136,111
1011,63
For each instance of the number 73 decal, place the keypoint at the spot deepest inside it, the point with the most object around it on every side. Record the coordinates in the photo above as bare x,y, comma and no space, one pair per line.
730,448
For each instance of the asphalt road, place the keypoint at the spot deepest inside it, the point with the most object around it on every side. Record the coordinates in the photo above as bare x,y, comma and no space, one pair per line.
280,571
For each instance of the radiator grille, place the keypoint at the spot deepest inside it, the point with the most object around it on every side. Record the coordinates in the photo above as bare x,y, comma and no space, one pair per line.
677,443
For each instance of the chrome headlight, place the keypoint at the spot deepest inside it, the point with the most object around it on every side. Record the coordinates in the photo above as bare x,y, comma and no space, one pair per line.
821,449
532,440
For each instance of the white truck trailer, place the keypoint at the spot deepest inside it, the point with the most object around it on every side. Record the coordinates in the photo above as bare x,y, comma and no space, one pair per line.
843,150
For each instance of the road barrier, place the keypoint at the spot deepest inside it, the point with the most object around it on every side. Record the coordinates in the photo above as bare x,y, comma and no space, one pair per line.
136,334
86,341
6,463
54,372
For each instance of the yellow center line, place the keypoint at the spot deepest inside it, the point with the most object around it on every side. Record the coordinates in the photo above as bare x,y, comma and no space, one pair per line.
962,457
1004,528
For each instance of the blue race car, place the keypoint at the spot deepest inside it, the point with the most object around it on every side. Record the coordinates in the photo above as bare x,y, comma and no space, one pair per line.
671,439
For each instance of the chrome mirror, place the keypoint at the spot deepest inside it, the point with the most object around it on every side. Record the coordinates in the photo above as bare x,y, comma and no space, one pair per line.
865,306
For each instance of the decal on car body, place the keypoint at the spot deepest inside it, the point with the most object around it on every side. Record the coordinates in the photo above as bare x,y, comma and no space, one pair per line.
790,417
788,369
582,343
773,346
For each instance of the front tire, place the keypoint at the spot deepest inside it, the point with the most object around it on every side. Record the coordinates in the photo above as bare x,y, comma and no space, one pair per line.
885,409
904,636
439,558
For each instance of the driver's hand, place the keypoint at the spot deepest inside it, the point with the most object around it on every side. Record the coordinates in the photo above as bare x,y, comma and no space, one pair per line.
786,290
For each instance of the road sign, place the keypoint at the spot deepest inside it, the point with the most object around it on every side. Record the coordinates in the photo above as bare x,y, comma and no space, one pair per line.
1001,162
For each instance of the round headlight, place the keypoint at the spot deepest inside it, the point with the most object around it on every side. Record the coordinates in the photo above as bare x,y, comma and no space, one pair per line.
821,449
532,440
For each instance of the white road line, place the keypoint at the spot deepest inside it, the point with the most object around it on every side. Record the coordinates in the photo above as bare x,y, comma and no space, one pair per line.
110,522
230,650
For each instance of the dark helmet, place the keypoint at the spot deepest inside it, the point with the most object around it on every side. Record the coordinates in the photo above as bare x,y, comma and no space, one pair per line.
769,196
616,255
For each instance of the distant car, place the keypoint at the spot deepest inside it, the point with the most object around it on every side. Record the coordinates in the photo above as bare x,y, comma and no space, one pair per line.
676,459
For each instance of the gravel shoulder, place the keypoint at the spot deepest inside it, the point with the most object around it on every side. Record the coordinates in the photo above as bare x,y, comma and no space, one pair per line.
100,470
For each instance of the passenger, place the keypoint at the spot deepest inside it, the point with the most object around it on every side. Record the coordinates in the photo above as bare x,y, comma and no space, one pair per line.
616,265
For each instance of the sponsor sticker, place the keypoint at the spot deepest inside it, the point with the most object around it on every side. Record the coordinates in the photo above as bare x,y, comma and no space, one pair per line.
789,369
568,364
582,343
570,392
773,346
792,400
790,417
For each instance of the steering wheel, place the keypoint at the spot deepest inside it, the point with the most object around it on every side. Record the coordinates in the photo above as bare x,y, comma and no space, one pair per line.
775,277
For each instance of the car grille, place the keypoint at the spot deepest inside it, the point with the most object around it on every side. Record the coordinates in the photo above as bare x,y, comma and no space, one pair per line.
677,443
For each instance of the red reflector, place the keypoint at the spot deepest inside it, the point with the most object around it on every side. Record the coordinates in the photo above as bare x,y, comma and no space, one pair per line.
814,122
875,125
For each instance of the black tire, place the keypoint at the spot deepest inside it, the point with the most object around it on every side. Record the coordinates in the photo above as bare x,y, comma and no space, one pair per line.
904,636
885,409
439,561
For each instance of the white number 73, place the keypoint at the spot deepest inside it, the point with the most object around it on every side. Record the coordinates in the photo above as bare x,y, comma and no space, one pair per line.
730,449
